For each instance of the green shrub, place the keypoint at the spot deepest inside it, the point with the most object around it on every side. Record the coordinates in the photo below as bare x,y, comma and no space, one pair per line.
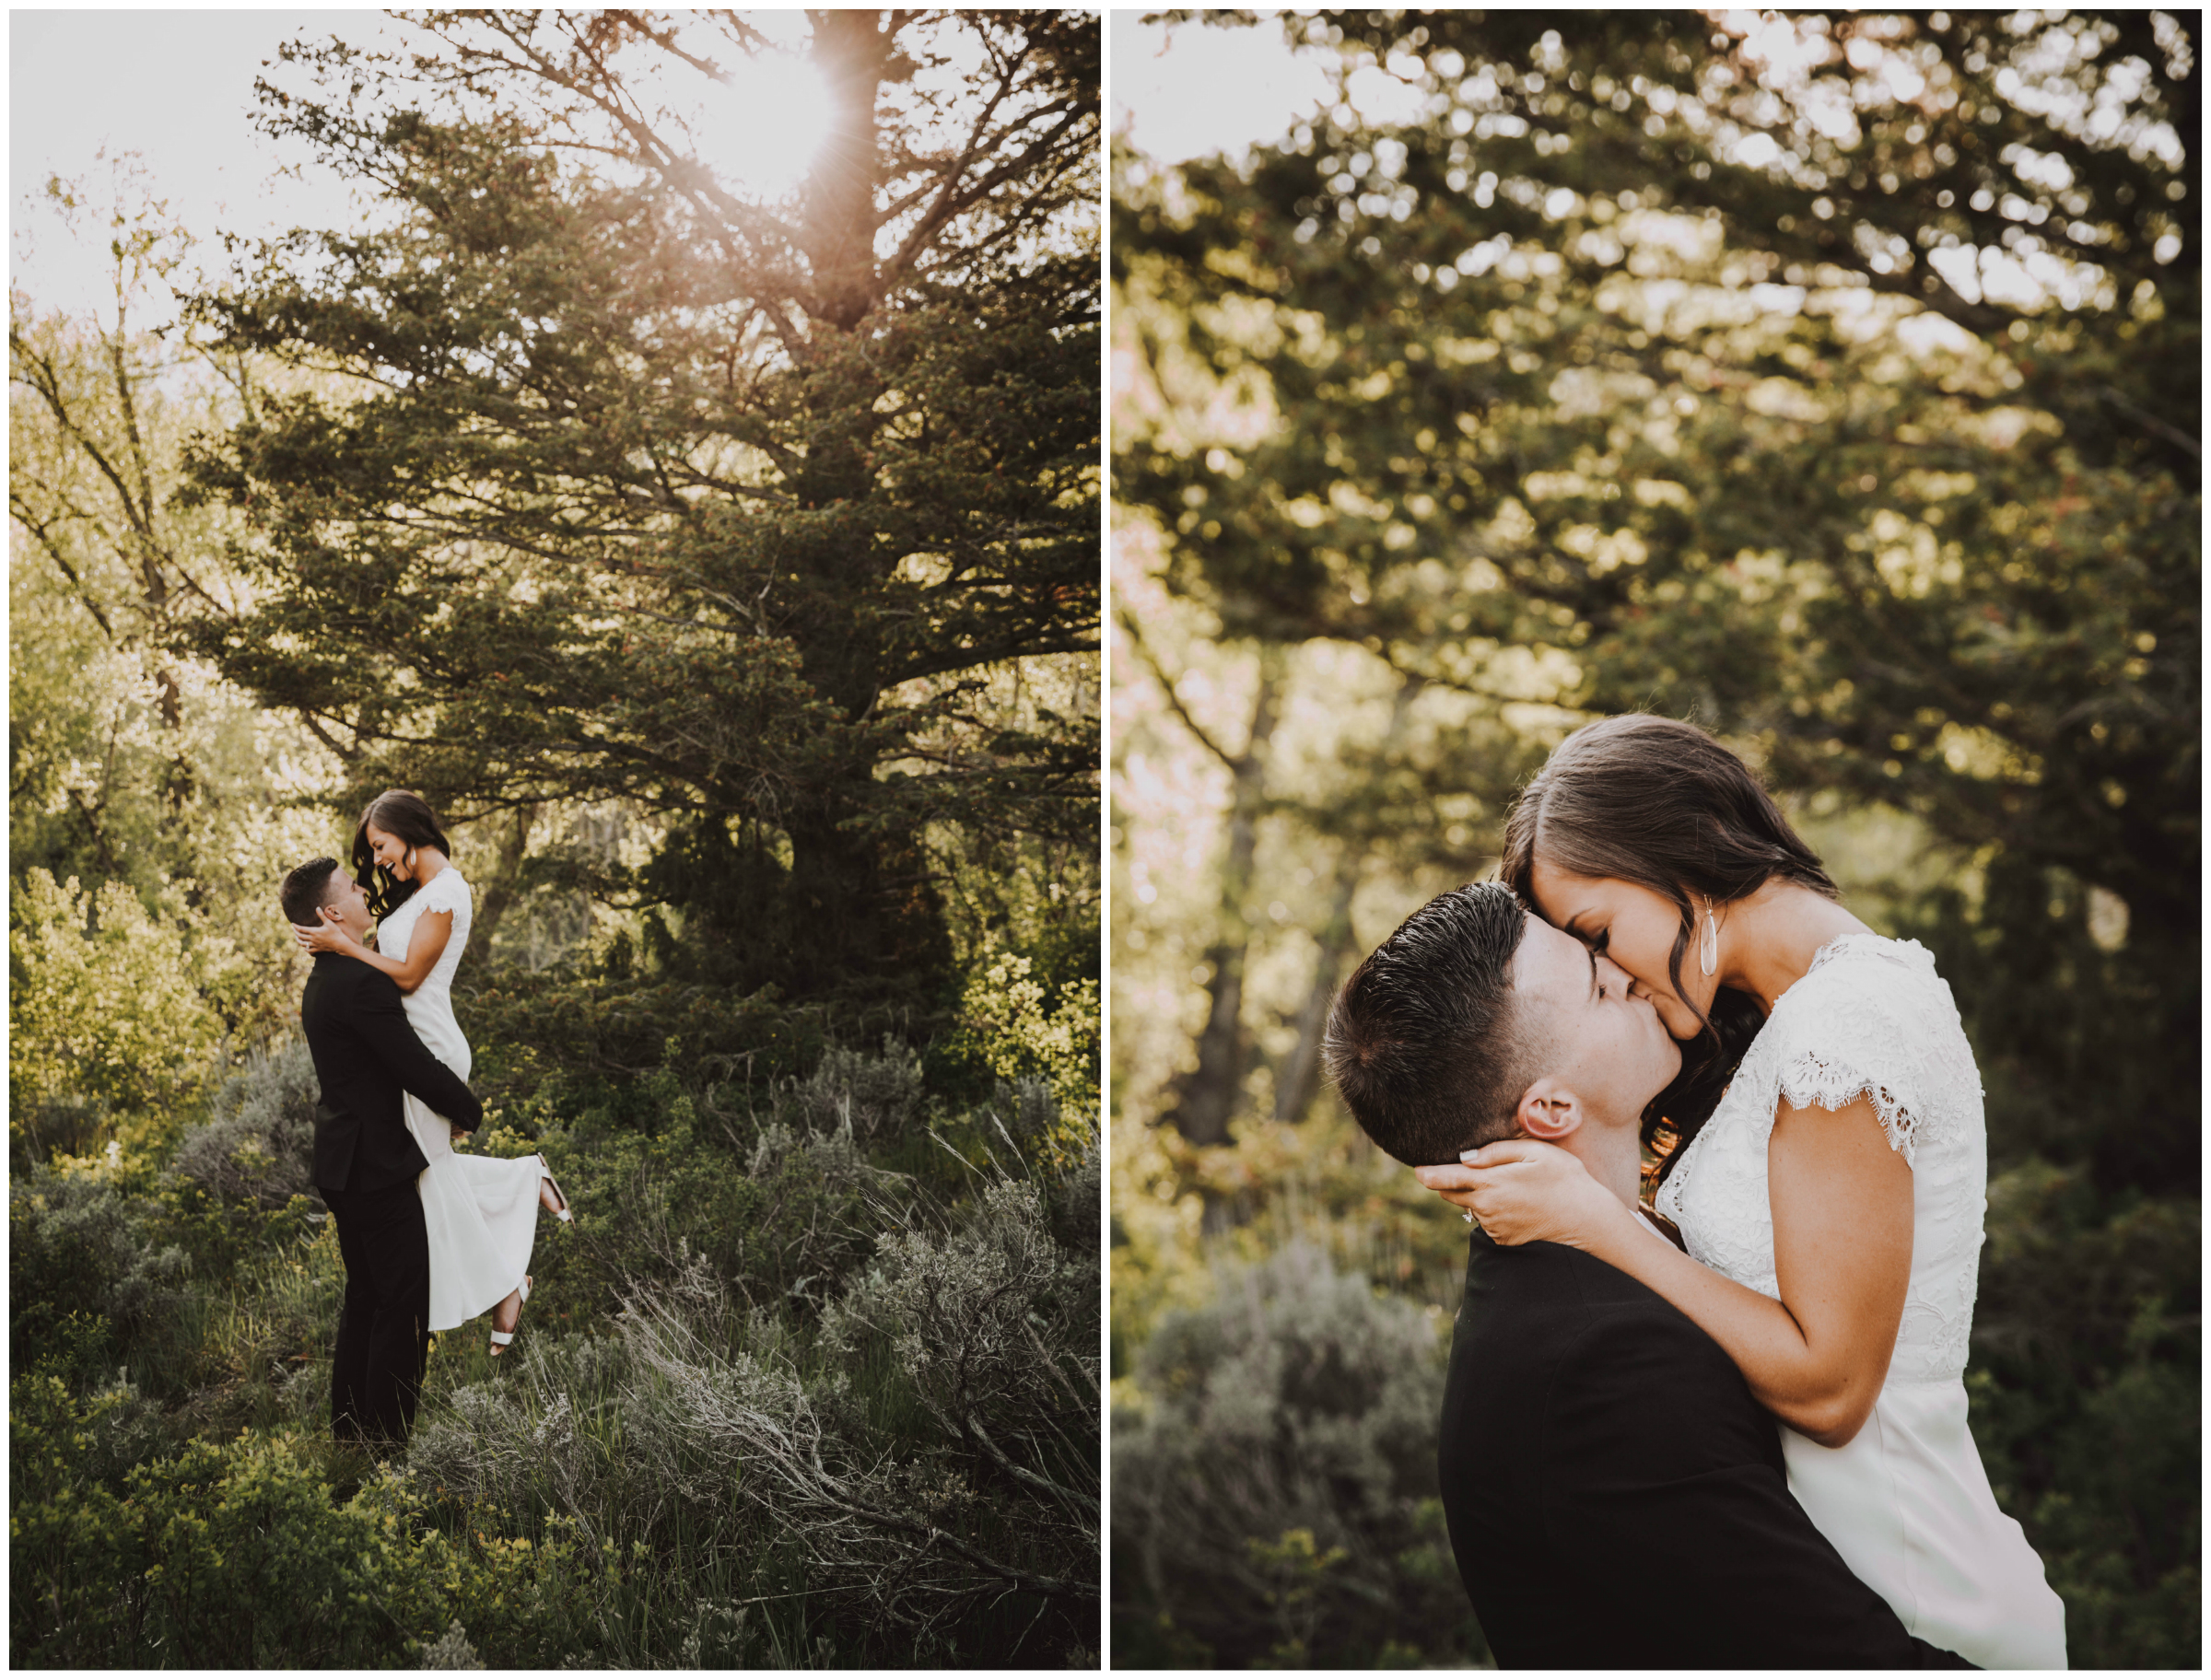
78,1243
546,1437
1071,1194
107,1002
993,1324
782,1214
215,1558
2087,1386
56,1124
258,1143
874,1096
236,1556
1023,1031
883,1532
1274,1485
932,1445
598,1032
612,1493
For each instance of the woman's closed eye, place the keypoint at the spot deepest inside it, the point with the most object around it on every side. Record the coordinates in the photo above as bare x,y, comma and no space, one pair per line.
1599,987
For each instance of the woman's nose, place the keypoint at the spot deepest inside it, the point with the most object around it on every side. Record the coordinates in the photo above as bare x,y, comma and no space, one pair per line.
1618,977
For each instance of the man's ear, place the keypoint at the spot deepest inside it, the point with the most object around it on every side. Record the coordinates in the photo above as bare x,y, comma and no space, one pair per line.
1549,1112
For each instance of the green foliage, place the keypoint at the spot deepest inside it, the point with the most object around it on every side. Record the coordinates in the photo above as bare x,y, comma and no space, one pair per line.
877,1098
995,1327
235,1557
609,1493
133,765
1295,1571
710,1414
1850,408
2071,1021
104,1001
751,514
1274,1487
1020,1035
2087,1394
767,701
582,1032
258,1144
81,1248
1647,421
1013,892
795,1219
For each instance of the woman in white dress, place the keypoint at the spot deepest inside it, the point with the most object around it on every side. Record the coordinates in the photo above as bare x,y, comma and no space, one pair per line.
1828,1171
481,1212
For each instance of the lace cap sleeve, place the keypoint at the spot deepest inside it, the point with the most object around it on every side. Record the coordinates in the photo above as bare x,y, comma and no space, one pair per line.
448,891
1862,1032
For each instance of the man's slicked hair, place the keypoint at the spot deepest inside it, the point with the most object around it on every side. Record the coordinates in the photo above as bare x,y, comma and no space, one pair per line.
1427,1042
306,890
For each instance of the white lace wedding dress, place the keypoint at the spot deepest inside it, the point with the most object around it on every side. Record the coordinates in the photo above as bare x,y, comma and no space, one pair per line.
481,1213
1906,1502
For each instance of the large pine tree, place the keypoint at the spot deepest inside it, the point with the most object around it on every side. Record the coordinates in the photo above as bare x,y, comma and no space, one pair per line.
730,507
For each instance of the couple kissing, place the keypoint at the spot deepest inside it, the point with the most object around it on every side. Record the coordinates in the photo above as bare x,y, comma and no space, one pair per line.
1746,1446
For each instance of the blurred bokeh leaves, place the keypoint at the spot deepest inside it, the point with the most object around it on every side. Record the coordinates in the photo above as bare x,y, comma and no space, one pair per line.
1833,380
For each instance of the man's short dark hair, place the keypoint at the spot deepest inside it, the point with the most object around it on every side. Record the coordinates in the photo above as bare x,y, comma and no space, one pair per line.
306,890
1427,1041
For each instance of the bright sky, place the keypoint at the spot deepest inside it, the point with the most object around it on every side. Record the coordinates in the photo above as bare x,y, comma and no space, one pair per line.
177,87
1187,90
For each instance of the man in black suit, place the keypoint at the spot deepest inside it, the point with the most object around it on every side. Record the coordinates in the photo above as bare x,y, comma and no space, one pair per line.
366,1057
1616,1498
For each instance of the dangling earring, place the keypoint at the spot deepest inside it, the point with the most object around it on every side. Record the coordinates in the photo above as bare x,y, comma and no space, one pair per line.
1708,948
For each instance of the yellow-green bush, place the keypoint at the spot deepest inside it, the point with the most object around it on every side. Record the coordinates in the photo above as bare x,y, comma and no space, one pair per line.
1023,1035
105,1000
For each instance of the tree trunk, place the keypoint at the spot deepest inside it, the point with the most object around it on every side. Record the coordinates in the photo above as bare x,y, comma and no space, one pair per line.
861,911
1206,1098
1299,1077
860,905
499,886
1298,1082
838,232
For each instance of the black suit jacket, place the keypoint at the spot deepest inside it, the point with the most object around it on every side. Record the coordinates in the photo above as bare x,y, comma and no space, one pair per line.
1617,1499
366,1055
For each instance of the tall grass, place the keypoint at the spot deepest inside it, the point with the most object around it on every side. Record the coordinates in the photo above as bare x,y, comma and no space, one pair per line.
772,1403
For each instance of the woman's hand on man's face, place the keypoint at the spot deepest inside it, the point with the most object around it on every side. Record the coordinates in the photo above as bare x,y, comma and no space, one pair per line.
325,936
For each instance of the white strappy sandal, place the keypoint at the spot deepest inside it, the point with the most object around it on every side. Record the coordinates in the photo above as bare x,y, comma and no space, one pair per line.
504,1338
561,1212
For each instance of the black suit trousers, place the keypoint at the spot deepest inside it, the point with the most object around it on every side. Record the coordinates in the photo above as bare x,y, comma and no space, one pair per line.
383,1328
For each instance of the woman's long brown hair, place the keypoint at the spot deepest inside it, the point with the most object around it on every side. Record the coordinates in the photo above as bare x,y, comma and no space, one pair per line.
1661,803
407,816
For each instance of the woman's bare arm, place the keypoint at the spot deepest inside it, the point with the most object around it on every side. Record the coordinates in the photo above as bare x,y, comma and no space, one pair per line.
433,930
1841,1206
